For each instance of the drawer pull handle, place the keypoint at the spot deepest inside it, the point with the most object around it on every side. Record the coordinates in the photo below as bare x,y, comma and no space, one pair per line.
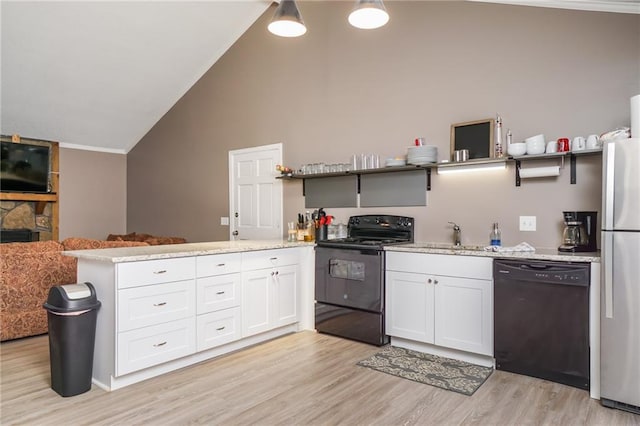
160,304
163,271
277,272
157,345
221,264
274,258
273,273
220,328
435,281
220,292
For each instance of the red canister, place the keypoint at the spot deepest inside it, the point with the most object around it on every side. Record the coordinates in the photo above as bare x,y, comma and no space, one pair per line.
563,145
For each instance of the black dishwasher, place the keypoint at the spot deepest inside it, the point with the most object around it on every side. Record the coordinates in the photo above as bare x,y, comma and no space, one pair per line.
541,320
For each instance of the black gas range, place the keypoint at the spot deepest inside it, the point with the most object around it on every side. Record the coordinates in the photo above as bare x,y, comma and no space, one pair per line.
349,277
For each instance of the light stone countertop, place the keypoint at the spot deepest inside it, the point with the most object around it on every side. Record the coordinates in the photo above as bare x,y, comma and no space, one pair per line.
467,250
169,251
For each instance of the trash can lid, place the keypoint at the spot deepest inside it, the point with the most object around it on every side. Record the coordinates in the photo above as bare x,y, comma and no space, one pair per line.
72,298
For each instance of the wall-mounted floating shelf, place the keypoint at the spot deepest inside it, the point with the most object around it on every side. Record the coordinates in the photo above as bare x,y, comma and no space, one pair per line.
340,189
560,155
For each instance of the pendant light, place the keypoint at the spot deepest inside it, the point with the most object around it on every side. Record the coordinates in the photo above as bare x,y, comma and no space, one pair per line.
287,21
369,14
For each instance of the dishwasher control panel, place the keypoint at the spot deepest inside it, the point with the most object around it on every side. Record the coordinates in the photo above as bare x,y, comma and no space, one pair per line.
543,272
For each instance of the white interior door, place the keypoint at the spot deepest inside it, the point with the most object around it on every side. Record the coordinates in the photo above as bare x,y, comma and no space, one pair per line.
256,194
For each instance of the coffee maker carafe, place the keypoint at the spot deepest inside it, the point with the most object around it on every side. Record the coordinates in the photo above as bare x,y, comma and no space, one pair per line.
579,233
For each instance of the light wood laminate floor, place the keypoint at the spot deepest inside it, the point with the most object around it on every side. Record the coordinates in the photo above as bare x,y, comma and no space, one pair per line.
300,379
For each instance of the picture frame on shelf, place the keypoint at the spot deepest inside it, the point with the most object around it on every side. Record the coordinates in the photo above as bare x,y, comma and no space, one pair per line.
475,136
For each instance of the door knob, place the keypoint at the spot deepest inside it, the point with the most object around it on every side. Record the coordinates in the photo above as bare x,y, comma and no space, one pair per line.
234,233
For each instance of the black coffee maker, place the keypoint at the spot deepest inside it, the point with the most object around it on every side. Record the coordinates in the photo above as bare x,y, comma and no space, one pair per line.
579,232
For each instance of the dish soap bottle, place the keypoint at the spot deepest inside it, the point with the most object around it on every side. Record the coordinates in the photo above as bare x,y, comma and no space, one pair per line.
495,237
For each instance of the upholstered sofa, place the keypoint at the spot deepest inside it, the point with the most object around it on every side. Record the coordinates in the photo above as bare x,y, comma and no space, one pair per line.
152,240
27,271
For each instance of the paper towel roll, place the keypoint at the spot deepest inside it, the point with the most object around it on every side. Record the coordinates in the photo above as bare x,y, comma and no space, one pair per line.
635,116
535,172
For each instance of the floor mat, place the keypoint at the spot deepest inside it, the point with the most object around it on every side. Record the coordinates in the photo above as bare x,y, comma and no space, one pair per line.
445,373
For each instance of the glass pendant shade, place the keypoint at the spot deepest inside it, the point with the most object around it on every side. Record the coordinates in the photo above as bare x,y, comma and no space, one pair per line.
287,21
369,14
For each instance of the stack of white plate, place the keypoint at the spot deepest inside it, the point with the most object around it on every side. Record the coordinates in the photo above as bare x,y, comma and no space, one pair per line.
421,155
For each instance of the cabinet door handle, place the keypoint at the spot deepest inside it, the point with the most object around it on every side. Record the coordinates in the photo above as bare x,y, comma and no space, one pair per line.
163,271
220,292
160,304
435,281
429,280
277,272
160,344
220,328
221,264
273,273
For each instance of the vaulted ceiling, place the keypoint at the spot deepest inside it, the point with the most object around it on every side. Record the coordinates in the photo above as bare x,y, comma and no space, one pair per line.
99,74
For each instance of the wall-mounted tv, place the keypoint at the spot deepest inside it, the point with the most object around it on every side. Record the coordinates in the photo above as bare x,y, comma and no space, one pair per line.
24,167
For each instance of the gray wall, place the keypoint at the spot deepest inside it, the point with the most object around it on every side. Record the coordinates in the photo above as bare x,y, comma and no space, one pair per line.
338,91
93,194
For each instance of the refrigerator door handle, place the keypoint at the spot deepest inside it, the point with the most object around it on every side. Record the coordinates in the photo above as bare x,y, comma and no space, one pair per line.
607,272
609,161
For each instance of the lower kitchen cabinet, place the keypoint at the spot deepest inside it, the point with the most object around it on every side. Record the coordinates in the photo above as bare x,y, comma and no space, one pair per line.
217,328
163,314
269,299
440,307
149,346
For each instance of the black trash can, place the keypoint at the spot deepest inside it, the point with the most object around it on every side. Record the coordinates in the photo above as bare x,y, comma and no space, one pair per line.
72,311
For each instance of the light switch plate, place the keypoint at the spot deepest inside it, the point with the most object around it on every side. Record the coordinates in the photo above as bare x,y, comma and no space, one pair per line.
527,223
224,221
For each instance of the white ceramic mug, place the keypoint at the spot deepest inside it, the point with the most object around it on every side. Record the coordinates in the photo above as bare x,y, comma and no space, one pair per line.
552,147
578,144
593,142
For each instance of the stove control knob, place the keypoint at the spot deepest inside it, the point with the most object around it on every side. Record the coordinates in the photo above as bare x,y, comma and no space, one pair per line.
356,221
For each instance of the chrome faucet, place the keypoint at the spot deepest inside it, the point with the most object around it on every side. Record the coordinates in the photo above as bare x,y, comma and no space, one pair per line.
456,234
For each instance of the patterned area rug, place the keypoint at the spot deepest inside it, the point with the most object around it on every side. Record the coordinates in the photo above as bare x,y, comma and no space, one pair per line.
445,373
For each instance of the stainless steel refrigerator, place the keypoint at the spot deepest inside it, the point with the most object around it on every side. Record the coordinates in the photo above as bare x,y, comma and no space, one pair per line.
620,257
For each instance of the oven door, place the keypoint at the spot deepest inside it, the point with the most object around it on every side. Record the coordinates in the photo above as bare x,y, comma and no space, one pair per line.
350,277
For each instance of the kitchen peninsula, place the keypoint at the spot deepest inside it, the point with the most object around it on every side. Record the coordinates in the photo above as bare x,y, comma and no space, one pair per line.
167,307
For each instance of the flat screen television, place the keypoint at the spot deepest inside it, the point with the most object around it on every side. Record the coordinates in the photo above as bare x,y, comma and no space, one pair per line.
24,167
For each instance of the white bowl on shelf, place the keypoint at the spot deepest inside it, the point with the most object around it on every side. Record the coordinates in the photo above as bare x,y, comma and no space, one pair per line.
536,144
517,148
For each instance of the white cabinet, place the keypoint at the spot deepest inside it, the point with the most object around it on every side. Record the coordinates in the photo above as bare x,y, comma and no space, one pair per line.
163,314
155,311
269,294
218,300
446,300
409,301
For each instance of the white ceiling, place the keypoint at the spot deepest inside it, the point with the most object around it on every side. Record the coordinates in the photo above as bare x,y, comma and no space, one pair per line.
99,74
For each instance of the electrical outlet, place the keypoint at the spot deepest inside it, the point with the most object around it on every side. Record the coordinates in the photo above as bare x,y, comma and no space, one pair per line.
224,221
527,223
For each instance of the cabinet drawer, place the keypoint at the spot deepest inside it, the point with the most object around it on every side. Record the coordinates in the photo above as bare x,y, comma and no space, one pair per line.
218,328
268,259
217,292
218,264
155,304
441,264
149,346
134,274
